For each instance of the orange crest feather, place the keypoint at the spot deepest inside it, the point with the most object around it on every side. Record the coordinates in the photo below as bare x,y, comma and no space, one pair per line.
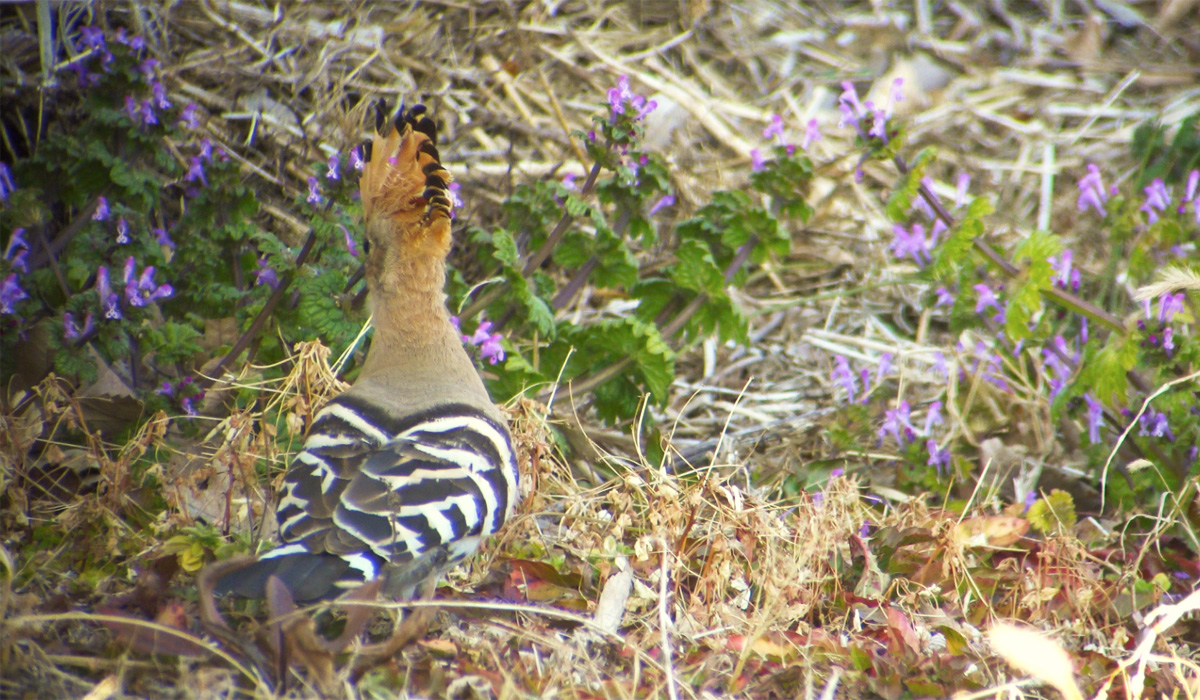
403,178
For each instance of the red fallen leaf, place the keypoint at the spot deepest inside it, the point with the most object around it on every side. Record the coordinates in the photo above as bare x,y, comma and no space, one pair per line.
902,630
541,583
147,640
545,572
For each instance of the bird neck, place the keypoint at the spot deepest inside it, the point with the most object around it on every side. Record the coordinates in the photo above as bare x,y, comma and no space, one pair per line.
412,325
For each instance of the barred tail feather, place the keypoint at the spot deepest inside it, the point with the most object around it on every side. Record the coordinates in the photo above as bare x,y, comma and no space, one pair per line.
308,576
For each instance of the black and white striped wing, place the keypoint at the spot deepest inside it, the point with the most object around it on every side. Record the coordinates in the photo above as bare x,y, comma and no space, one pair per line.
371,494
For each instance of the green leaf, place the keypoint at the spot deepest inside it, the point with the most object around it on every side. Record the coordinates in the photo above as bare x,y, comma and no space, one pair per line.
505,247
901,201
1104,374
696,270
953,252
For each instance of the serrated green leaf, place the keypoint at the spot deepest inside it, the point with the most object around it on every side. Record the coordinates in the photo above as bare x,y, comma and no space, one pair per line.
505,247
696,270
901,201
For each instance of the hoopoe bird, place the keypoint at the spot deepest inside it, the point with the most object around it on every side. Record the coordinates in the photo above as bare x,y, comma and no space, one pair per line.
405,473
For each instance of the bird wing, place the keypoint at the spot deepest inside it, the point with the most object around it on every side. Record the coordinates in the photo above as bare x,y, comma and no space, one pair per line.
383,493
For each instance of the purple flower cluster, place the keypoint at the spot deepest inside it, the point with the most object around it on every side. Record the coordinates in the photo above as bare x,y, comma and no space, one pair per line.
185,391
1059,359
10,294
73,332
1154,423
488,343
17,251
139,290
1168,306
264,274
1092,193
1065,277
812,134
898,424
622,97
856,113
912,243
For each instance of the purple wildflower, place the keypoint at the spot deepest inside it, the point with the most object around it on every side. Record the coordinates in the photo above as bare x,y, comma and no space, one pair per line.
1154,423
1169,305
852,110
812,134
775,129
618,96
356,159
137,43
17,250
92,37
992,371
143,290
335,161
10,294
1158,198
163,237
195,171
165,389
205,153
72,331
7,187
960,190
1193,184
456,323
147,68
885,366
1095,418
944,297
122,231
757,160
489,343
189,404
314,191
349,240
622,95
911,243
455,201
1067,277
82,74
1168,341
939,364
987,298
895,94
667,200
491,350
1091,191
133,110
894,420
160,95
101,213
844,377
109,301
933,417
938,457
147,112
263,274
188,118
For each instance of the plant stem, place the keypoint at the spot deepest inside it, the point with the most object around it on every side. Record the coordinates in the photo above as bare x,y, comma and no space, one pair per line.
261,319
